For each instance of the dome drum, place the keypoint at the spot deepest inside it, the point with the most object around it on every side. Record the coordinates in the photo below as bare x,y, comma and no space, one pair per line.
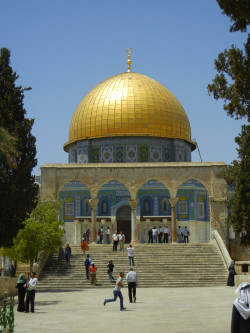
129,150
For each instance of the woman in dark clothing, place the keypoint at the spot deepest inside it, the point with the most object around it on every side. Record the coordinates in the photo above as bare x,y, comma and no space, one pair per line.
21,284
67,253
230,280
241,310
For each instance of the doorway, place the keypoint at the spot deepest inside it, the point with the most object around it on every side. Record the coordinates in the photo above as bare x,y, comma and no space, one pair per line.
123,218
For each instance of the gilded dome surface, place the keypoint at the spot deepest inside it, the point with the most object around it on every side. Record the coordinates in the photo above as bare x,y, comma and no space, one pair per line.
129,104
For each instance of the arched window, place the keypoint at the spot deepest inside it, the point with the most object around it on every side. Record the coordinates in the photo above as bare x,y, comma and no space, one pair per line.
183,207
69,207
147,206
201,208
104,207
86,209
164,206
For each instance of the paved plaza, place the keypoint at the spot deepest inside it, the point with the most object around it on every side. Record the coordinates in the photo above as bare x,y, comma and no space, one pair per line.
175,310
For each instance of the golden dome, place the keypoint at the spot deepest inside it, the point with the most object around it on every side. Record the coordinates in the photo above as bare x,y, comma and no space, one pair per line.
129,104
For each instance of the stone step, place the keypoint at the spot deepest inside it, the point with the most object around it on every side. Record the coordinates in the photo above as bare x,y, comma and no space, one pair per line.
175,264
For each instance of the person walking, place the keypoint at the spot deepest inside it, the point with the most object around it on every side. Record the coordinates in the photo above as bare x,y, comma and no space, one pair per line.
92,272
101,235
150,236
166,234
185,233
84,246
132,281
108,235
115,240
110,266
21,284
231,274
117,292
61,255
87,263
130,250
121,237
31,291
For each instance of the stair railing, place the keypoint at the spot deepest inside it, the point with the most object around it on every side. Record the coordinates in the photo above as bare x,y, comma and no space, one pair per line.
216,238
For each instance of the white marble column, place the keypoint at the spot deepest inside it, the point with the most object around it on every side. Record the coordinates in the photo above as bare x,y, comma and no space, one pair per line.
93,204
77,231
173,202
133,204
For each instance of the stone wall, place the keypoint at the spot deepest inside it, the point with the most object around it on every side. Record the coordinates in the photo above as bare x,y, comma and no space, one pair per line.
237,251
7,284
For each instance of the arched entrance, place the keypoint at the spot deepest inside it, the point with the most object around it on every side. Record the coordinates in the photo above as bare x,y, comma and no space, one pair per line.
123,218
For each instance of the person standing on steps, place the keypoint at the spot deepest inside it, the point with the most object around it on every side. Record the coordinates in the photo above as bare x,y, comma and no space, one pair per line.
179,235
154,230
159,234
150,235
108,235
87,263
130,250
132,280
185,233
121,237
166,234
117,292
67,253
115,240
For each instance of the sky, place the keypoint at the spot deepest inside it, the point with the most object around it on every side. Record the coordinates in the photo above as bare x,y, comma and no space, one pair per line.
62,49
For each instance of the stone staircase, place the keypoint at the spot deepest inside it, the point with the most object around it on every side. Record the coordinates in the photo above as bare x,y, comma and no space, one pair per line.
157,265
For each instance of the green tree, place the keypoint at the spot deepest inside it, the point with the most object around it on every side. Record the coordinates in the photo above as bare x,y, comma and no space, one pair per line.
232,85
42,232
18,191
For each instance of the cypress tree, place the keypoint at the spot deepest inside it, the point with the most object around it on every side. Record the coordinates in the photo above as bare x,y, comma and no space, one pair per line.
18,191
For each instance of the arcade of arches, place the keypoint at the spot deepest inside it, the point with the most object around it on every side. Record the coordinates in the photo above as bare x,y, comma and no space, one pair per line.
133,197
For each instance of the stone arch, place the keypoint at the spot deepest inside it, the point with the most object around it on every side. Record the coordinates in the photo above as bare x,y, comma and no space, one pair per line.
113,191
77,191
152,190
187,211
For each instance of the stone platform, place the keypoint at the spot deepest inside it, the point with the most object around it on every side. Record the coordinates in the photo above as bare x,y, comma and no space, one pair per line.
175,310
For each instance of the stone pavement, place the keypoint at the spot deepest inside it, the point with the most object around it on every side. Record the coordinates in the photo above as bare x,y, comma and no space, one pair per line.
175,310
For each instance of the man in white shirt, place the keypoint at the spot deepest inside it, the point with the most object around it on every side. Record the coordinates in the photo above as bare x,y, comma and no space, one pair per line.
30,292
179,235
121,237
130,250
115,240
132,280
154,230
107,235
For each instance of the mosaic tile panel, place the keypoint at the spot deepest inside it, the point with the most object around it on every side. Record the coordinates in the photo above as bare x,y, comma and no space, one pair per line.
72,156
180,157
166,156
131,154
95,155
119,154
107,154
155,154
82,155
143,153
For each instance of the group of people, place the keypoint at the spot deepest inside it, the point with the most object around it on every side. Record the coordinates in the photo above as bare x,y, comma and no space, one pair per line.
159,235
118,239
26,287
163,235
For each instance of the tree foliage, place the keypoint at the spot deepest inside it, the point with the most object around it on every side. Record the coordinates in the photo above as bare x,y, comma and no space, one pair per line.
42,232
232,85
18,191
